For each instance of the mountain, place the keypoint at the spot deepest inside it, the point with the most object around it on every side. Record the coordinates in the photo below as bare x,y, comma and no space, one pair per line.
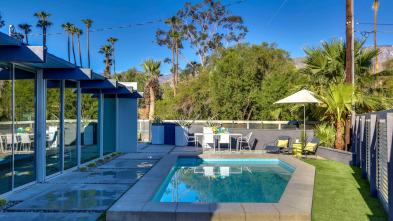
386,53
165,78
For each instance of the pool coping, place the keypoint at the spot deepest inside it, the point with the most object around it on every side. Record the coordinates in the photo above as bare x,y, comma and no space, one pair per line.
295,203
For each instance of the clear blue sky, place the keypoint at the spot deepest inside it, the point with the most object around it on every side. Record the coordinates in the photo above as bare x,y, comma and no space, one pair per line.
291,29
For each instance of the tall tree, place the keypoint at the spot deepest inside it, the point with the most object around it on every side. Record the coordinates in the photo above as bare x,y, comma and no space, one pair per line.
26,28
88,23
208,25
43,23
375,8
107,51
73,30
152,69
112,40
78,32
67,26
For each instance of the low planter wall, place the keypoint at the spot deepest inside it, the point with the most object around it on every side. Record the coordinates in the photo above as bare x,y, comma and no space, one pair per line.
337,155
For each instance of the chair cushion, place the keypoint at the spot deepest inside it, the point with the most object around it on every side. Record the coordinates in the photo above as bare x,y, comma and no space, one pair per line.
310,147
282,143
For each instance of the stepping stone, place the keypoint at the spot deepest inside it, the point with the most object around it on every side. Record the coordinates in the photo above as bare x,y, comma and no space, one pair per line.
140,156
37,216
85,197
128,164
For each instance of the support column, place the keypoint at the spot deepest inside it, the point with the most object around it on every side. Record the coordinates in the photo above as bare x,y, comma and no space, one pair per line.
373,156
363,146
389,134
61,135
101,123
12,69
40,127
78,123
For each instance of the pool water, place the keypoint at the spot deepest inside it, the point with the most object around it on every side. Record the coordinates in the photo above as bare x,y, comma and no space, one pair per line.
225,180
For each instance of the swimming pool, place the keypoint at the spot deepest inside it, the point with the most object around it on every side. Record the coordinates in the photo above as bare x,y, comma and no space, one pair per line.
225,180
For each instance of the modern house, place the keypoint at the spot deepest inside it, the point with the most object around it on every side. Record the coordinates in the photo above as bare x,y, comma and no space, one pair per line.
35,144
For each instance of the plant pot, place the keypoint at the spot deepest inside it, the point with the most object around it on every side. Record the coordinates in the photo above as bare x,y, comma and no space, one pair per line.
157,134
180,138
88,135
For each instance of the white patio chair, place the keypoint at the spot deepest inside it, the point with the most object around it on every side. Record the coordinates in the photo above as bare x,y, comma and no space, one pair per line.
25,141
224,171
9,141
244,140
226,139
189,139
208,139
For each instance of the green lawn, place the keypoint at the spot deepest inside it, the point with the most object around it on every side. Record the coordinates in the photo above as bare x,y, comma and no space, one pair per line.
341,194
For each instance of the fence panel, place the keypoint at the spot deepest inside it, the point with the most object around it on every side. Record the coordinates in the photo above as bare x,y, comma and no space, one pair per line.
382,161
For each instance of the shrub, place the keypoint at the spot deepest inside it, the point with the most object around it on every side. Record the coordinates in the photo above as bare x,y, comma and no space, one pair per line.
105,153
83,168
108,157
92,164
101,160
85,160
120,152
3,201
114,154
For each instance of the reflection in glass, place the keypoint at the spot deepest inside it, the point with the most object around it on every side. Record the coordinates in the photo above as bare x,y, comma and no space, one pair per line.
24,132
5,131
90,149
69,129
53,159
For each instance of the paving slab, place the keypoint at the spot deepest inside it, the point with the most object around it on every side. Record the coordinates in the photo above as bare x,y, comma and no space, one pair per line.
86,197
36,216
140,156
30,192
102,176
128,164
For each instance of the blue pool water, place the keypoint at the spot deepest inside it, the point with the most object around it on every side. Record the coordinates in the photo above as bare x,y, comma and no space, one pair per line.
225,180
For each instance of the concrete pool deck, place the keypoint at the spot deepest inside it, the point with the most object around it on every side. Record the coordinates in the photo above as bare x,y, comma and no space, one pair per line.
295,203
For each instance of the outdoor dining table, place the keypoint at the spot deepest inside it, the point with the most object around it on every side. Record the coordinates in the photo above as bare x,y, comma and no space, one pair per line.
219,134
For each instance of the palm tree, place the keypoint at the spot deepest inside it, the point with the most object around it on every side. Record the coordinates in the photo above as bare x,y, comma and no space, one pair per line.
43,23
107,50
78,33
88,25
326,63
337,100
112,40
173,22
152,69
375,8
27,29
73,30
67,27
176,36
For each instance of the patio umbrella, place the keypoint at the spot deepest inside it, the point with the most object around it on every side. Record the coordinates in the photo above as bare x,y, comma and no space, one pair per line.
302,97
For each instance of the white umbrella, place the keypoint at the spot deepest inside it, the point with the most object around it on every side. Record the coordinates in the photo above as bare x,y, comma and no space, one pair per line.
302,97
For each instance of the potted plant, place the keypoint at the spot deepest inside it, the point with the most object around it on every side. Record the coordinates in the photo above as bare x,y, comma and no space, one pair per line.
88,132
157,131
181,130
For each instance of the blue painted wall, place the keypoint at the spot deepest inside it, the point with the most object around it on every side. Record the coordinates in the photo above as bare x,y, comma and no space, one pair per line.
109,125
128,125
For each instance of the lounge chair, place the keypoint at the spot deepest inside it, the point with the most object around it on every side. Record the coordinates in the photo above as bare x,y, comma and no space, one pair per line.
312,146
281,143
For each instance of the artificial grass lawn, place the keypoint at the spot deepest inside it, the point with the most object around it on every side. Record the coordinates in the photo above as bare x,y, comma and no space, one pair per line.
341,194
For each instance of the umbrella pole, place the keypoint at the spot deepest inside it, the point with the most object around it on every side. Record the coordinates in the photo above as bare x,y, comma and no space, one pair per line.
304,124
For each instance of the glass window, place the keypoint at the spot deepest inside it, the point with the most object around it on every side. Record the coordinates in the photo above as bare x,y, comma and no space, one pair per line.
69,129
53,158
5,132
24,170
89,130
